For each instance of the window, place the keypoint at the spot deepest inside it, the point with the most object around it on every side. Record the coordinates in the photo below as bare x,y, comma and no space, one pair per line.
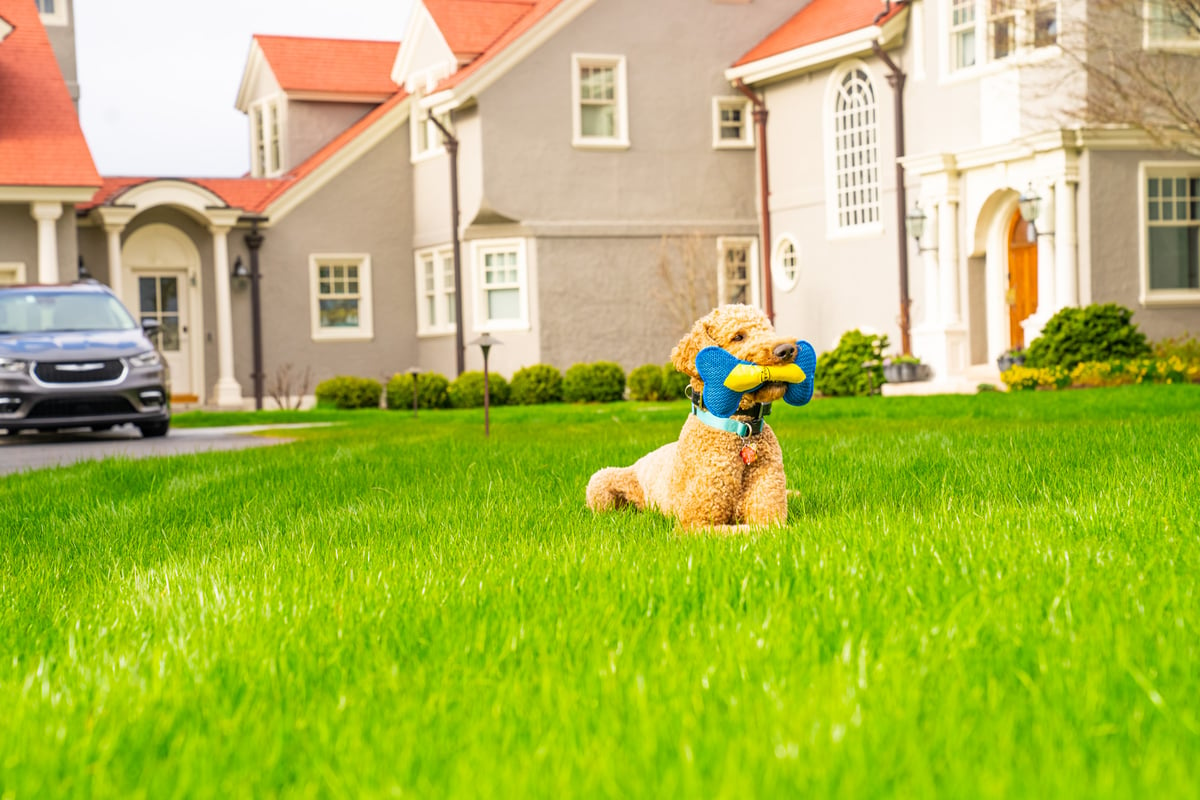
52,12
962,33
266,137
786,264
436,313
731,123
427,139
502,301
1172,23
1045,23
1002,28
856,151
600,112
736,280
1172,215
341,296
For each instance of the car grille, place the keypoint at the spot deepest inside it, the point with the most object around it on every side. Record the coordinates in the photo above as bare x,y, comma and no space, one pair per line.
101,406
79,372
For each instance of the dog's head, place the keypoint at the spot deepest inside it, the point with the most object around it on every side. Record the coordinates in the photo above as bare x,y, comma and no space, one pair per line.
745,332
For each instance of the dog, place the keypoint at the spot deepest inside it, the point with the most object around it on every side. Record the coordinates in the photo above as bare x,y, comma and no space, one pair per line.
716,477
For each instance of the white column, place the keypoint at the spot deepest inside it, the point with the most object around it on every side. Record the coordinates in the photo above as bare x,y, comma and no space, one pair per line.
948,261
929,259
1066,249
228,391
1046,267
116,280
47,215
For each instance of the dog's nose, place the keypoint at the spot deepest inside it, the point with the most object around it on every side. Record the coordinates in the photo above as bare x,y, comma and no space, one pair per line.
785,351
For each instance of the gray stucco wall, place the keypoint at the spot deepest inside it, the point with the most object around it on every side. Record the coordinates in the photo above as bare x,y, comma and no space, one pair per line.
18,237
311,125
62,39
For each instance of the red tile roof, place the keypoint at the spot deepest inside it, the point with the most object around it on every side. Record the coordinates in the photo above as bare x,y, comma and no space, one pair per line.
816,22
341,66
41,143
245,193
483,24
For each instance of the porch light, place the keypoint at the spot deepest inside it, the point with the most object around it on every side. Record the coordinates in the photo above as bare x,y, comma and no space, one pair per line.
486,342
915,220
1030,203
239,272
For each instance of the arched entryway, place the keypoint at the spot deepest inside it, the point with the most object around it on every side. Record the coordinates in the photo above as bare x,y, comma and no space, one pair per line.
1021,295
160,265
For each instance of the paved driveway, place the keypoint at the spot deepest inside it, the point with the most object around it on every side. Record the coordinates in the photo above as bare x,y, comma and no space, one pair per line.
28,451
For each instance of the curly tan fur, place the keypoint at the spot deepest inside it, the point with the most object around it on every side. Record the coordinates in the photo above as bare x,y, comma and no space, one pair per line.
700,479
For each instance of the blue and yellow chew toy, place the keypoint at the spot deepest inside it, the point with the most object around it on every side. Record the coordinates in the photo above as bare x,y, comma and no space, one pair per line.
726,378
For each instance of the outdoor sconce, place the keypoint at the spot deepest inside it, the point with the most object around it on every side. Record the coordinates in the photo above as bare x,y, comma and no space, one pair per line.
414,372
239,273
1030,206
84,273
915,220
486,342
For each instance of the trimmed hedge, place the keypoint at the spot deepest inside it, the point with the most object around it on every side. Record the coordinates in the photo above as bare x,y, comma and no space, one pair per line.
347,391
534,385
466,391
674,383
600,382
840,372
646,383
431,391
1099,332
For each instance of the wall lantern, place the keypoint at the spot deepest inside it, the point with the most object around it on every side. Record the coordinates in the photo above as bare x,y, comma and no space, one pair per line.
239,273
915,221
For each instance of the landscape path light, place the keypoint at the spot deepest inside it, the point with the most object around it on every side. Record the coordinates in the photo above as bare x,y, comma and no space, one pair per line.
486,342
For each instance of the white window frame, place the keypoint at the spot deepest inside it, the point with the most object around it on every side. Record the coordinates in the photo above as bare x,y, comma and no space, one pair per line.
1160,169
1152,42
434,143
620,139
724,245
56,17
1008,14
742,104
837,224
443,291
365,330
268,122
954,32
479,250
12,273
785,247
1025,48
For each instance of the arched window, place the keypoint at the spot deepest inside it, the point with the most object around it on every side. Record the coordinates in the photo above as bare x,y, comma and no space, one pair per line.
856,150
786,264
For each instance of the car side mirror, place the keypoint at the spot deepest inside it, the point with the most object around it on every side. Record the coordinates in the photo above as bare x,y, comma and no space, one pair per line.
151,326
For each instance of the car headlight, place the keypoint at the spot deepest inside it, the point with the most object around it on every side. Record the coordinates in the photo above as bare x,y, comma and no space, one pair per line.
150,358
13,365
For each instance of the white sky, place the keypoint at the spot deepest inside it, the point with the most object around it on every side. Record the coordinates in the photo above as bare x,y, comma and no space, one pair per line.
158,78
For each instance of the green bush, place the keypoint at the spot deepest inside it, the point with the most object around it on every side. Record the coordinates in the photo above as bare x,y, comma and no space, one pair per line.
431,391
646,383
601,382
347,391
1099,332
1185,348
534,385
840,371
466,391
674,383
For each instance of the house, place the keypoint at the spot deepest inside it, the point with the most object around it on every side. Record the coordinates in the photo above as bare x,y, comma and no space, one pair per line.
986,113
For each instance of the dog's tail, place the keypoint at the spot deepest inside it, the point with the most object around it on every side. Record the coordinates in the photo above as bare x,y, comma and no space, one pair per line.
615,487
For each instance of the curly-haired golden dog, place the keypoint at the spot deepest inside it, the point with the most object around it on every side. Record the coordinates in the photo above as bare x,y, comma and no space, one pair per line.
710,477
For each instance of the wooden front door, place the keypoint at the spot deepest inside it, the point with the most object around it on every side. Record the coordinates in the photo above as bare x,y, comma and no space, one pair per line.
1022,278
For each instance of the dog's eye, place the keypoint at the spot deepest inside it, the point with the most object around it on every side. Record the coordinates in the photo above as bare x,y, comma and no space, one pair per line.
737,337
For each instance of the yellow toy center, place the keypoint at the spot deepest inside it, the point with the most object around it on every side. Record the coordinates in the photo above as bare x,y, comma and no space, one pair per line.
745,377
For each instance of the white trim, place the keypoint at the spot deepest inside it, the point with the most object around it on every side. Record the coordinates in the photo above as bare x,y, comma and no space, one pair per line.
442,290
746,140
14,268
365,330
5,29
782,282
1159,297
724,245
374,98
420,122
834,228
1024,52
47,194
423,77
57,17
479,249
272,111
1191,45
620,139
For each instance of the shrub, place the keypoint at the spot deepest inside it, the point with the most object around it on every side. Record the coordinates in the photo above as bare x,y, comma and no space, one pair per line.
540,383
466,391
431,391
646,383
840,372
346,391
1099,332
1185,348
674,383
601,382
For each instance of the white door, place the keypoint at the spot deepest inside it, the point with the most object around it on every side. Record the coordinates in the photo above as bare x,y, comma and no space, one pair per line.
162,297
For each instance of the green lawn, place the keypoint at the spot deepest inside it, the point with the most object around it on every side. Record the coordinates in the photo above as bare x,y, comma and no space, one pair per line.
988,596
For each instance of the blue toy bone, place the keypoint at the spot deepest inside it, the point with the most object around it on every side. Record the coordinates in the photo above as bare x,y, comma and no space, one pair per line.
726,378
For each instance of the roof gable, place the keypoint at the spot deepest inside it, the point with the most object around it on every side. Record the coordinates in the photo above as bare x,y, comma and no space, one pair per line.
335,66
820,21
41,143
471,26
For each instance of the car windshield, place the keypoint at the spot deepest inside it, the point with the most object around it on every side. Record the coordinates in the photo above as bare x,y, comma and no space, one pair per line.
33,311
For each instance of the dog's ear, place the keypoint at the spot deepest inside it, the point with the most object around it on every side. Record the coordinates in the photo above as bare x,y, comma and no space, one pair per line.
683,357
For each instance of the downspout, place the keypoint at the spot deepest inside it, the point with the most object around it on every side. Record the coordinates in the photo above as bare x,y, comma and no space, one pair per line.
760,131
896,79
452,151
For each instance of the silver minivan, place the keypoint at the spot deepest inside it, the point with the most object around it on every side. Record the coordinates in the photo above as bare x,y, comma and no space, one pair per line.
72,356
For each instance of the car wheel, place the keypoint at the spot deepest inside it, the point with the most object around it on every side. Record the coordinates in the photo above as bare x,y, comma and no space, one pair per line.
152,429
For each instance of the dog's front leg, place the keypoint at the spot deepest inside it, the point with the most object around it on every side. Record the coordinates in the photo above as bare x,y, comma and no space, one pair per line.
763,498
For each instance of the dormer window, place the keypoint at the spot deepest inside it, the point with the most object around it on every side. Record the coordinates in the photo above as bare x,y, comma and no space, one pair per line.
266,138
52,12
